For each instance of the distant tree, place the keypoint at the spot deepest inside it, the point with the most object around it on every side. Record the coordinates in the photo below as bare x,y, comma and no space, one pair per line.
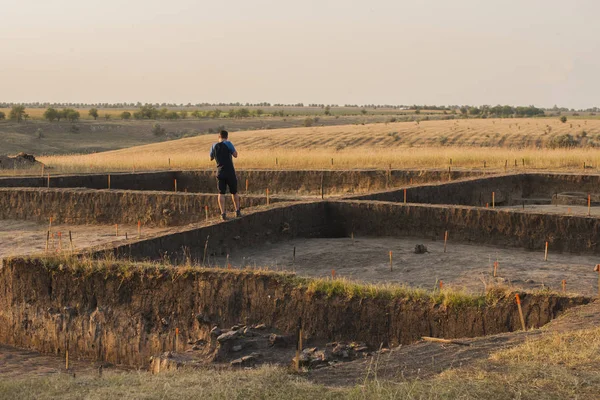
2,116
216,113
17,113
107,116
474,111
51,114
93,113
171,115
563,119
363,111
417,111
158,130
464,110
183,114
327,110
125,115
70,114
259,112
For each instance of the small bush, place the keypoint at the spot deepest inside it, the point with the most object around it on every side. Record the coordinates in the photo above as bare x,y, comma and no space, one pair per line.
563,141
563,119
308,122
74,129
158,130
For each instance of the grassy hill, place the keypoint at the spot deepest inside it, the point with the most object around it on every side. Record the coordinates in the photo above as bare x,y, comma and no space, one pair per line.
469,143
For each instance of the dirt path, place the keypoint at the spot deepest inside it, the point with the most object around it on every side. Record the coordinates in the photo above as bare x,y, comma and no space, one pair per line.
462,266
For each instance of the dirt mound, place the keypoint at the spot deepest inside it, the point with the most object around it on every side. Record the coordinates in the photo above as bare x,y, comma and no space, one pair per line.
20,161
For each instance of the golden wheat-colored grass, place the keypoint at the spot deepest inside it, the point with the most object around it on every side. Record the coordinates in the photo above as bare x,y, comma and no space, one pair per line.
428,144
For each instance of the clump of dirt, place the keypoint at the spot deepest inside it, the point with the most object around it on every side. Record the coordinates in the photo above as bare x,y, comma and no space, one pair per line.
20,161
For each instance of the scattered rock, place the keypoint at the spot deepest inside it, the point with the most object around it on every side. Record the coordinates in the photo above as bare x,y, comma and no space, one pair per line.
246,361
277,340
237,347
259,327
421,249
227,336
215,332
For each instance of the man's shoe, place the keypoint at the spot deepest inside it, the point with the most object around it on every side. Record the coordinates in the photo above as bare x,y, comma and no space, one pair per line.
238,213
224,217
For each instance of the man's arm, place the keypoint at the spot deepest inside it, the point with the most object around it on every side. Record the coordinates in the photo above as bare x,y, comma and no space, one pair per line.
232,149
212,152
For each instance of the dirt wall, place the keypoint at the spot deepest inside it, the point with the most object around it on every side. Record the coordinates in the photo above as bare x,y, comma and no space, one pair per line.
507,189
305,182
124,315
565,233
85,206
279,222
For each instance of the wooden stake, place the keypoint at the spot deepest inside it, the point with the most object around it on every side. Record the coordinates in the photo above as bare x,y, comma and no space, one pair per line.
445,240
246,186
47,240
589,205
493,199
206,212
205,250
71,241
322,190
352,236
445,341
67,359
116,229
139,228
505,165
43,170
50,224
169,163
48,180
404,196
391,262
495,269
176,338
441,284
333,274
267,196
564,285
520,311
227,263
299,343
487,205
175,180
109,181
484,164
294,256
332,162
546,252
597,269
276,162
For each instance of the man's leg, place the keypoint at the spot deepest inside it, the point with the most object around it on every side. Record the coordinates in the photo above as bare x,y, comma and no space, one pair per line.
222,186
236,201
222,203
235,196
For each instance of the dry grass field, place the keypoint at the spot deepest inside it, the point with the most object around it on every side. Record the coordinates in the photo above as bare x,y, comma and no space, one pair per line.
426,144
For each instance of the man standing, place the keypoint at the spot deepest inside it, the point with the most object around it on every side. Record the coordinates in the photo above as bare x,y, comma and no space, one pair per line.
222,152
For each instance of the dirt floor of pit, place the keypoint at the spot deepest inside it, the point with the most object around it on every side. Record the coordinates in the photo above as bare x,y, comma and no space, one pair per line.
555,209
462,266
19,238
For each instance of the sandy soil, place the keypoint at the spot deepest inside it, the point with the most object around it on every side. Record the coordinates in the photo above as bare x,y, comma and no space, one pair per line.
27,237
463,266
556,209
19,362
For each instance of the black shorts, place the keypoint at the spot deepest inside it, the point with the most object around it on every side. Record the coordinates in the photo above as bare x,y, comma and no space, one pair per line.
227,180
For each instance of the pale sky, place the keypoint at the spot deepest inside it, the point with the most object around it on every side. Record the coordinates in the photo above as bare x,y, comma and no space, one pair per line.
327,51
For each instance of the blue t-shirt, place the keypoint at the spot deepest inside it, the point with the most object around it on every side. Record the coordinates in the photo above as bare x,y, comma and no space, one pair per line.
221,152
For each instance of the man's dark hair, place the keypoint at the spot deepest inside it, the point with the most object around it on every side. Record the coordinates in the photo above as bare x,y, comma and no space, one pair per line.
224,134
